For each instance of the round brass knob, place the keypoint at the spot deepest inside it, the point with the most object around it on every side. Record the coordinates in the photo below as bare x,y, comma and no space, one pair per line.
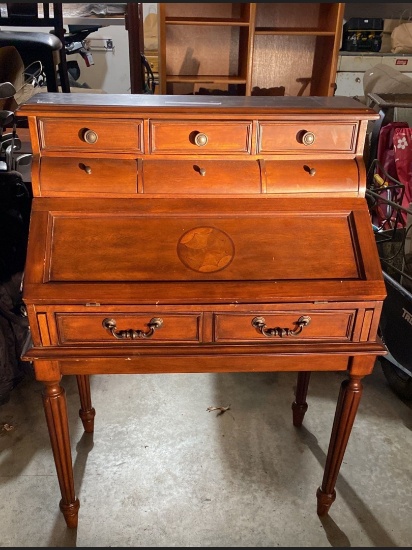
202,171
90,136
312,171
308,138
201,139
87,169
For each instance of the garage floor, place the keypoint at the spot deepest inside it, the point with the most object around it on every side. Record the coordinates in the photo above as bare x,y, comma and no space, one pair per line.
161,470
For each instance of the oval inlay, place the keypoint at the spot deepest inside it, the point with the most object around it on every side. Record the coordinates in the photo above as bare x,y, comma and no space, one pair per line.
205,249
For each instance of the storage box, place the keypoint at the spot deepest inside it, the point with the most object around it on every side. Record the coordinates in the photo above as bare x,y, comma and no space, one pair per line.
362,34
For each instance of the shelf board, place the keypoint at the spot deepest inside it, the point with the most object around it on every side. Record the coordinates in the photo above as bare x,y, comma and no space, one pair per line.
206,21
293,32
205,79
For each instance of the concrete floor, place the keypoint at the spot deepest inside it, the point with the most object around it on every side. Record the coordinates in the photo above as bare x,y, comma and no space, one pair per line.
161,470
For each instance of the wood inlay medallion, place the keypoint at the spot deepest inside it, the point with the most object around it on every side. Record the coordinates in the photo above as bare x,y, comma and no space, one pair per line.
205,249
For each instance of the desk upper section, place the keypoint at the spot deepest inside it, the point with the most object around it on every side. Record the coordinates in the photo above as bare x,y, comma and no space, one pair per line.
196,145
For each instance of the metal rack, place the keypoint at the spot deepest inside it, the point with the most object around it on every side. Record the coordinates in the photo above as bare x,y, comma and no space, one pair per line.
394,242
391,222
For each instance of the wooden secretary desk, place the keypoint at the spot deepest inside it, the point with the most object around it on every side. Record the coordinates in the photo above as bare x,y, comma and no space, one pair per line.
187,234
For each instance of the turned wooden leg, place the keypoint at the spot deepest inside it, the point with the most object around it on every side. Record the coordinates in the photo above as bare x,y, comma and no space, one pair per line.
86,412
299,406
54,401
347,406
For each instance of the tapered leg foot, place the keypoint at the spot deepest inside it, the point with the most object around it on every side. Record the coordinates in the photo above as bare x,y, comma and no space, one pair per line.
86,412
325,501
346,408
299,406
71,513
54,401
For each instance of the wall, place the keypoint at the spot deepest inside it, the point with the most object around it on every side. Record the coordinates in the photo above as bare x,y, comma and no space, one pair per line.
111,70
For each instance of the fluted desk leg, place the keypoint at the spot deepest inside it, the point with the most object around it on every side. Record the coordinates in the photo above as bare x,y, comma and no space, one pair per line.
86,412
299,406
347,406
54,401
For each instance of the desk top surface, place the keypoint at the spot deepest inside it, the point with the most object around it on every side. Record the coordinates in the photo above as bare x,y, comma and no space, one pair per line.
172,103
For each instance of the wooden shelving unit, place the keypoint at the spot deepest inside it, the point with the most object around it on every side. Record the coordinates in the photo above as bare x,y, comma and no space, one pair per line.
206,45
249,48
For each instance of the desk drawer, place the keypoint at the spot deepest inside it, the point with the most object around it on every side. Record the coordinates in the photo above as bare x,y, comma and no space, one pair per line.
121,328
202,177
92,135
292,325
314,176
200,137
87,176
307,137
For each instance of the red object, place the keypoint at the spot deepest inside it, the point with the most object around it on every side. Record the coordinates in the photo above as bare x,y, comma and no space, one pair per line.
402,145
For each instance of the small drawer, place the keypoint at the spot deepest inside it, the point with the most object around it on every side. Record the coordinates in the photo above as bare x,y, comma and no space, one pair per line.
202,177
316,176
87,176
284,326
91,135
307,137
125,328
200,137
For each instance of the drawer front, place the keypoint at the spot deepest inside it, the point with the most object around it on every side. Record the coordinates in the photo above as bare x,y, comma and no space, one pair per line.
87,176
200,137
202,177
283,326
90,135
307,137
122,328
316,176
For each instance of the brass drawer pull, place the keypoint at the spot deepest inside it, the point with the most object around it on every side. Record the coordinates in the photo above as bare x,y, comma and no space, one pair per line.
307,138
199,170
86,168
201,139
130,334
309,170
260,324
90,136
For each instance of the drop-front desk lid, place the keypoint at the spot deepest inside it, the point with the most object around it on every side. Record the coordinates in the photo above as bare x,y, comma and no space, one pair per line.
201,250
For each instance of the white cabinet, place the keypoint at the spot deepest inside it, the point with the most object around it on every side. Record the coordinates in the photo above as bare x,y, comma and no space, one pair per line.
349,83
352,67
